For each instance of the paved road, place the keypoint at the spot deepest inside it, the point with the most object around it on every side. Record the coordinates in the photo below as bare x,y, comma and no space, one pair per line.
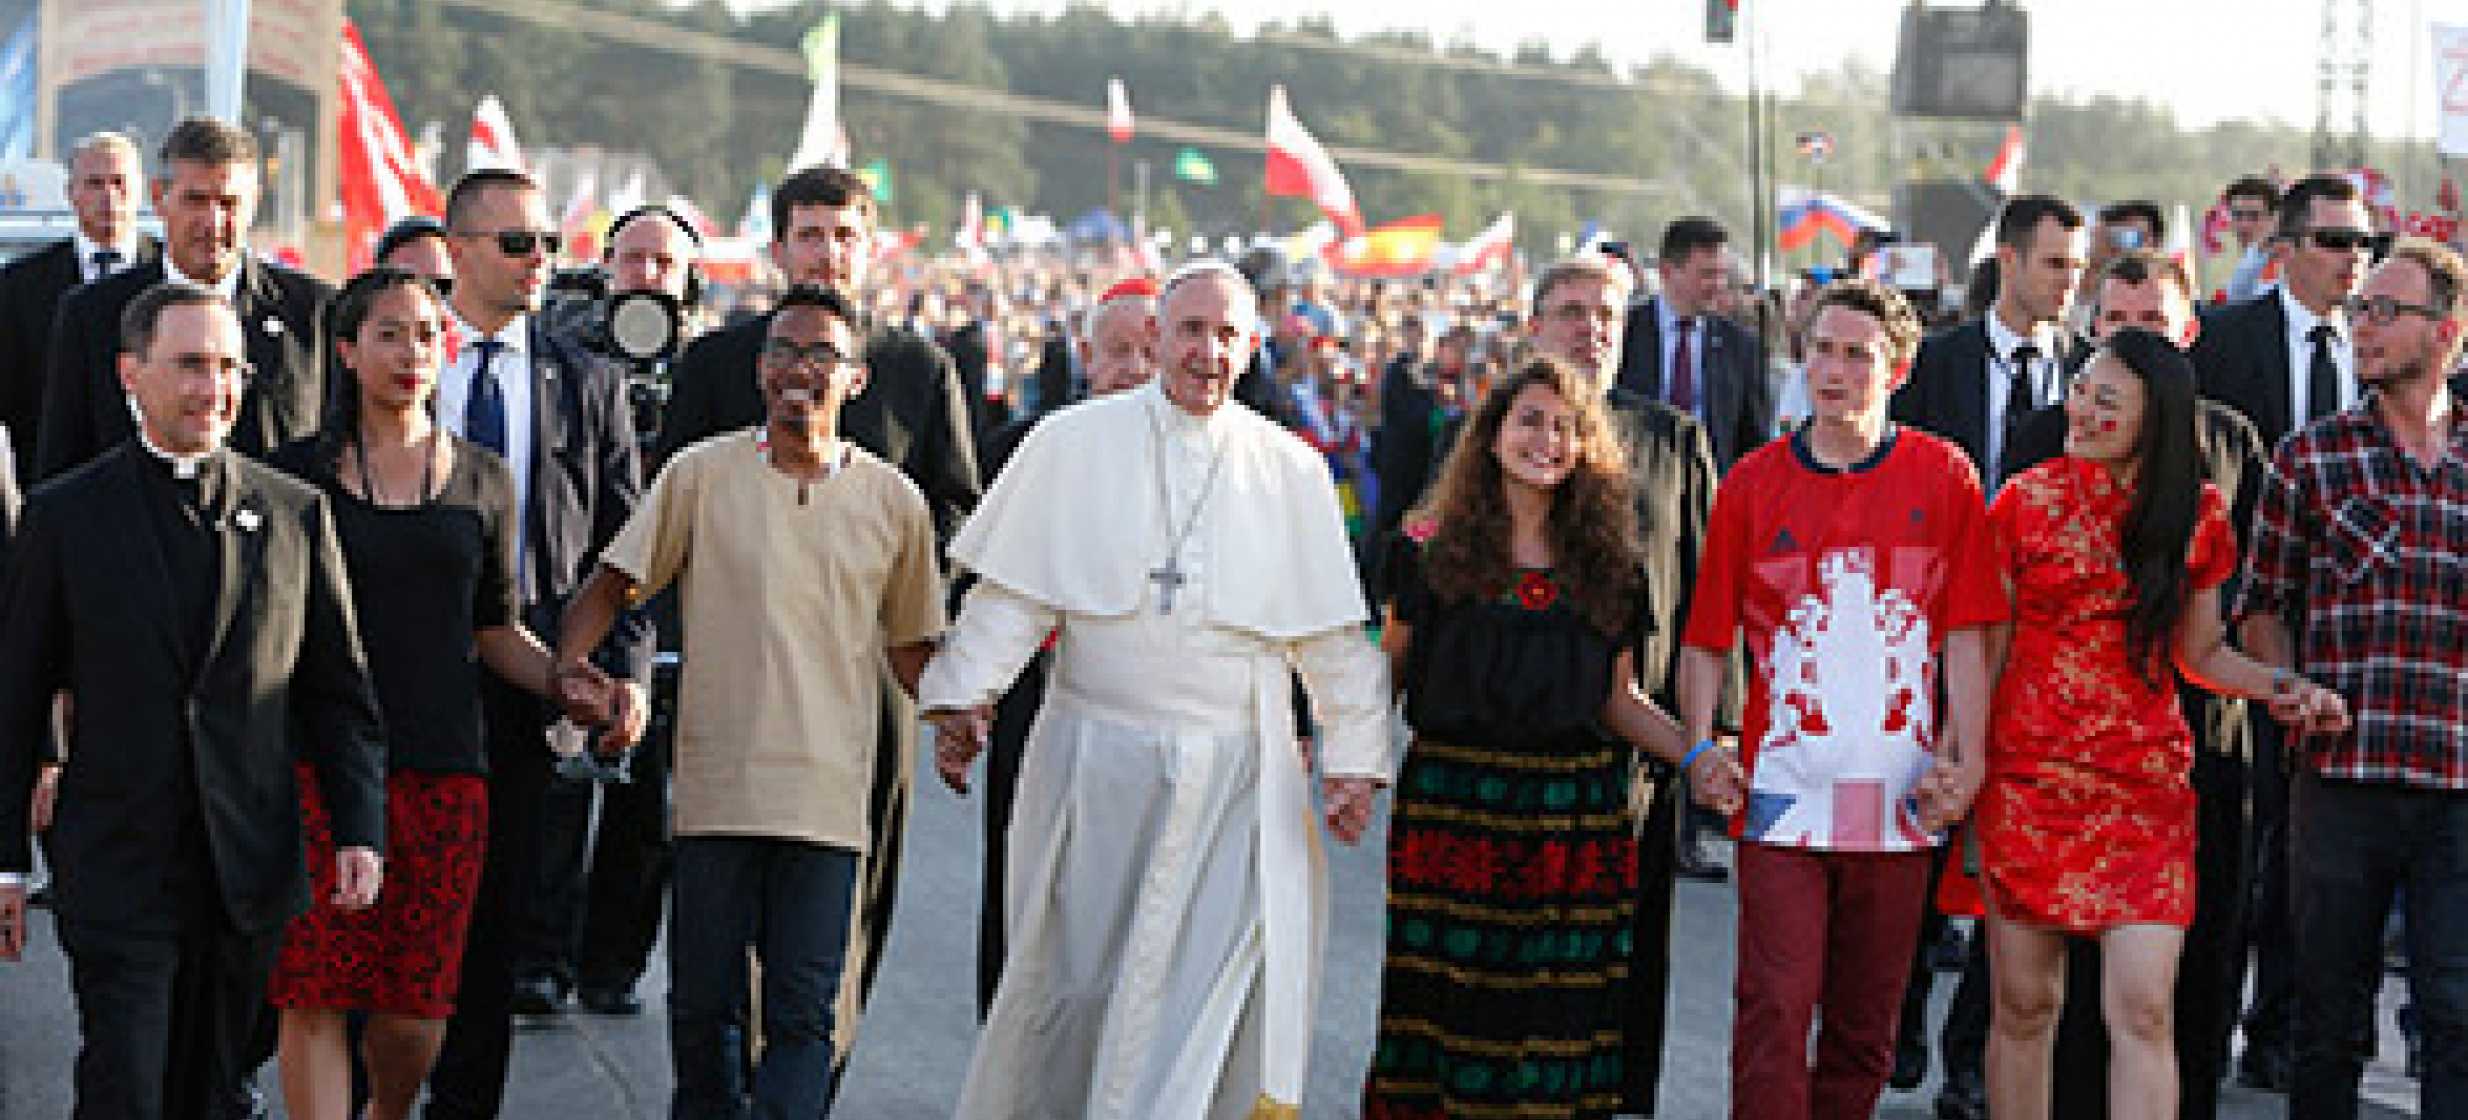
917,1041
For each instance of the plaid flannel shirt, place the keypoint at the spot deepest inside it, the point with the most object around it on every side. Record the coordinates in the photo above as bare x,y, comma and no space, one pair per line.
2363,552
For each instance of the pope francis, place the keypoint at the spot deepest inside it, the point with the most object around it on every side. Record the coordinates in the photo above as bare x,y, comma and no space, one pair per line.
1166,888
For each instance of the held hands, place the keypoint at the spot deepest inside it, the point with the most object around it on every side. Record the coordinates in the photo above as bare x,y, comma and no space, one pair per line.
1349,805
358,872
1717,780
959,734
2308,708
590,697
1944,795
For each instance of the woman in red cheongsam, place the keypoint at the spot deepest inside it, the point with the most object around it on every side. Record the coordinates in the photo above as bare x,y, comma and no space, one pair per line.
2115,554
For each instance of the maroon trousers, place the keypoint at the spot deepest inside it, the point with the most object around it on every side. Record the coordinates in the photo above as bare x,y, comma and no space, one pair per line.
1824,937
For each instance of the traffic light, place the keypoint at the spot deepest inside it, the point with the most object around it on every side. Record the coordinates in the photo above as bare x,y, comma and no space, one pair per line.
1721,17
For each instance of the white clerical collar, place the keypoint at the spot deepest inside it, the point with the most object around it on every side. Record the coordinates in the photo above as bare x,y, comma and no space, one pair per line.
182,466
2002,340
2302,320
228,287
1173,417
87,247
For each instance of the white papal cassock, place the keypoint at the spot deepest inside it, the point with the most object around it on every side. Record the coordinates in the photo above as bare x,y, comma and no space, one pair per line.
1166,893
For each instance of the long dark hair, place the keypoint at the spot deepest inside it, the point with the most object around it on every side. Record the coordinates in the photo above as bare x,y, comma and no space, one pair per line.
344,318
2159,526
1593,523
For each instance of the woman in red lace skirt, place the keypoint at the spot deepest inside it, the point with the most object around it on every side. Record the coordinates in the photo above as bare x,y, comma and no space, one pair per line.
424,519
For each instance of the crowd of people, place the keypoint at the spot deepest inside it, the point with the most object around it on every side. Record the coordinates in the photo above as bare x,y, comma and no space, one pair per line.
378,663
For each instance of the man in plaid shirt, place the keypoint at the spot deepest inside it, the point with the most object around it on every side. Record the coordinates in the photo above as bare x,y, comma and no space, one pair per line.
2359,578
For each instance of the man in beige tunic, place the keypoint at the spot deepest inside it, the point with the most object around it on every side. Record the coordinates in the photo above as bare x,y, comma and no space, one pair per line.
1166,887
804,562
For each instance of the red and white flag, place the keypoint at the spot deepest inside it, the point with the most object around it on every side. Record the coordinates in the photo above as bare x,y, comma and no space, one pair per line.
1117,111
2005,171
492,138
1298,167
1490,248
380,179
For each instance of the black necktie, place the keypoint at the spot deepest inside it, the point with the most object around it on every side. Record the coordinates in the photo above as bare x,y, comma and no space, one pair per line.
106,262
484,415
2321,376
2020,395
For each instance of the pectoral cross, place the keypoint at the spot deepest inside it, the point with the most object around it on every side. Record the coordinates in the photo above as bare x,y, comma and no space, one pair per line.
1168,579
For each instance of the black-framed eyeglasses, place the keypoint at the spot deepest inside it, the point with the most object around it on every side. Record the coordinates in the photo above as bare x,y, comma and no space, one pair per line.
2249,215
2384,309
782,352
520,242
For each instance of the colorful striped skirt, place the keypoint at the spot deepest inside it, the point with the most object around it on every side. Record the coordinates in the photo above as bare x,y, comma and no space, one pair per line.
1512,879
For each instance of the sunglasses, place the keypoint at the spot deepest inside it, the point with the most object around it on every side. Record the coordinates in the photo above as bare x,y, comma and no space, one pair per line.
2348,240
520,242
2384,309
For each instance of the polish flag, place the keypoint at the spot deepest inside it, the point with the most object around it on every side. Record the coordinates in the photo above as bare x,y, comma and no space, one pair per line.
2005,171
492,138
379,174
1490,248
1117,111
1298,167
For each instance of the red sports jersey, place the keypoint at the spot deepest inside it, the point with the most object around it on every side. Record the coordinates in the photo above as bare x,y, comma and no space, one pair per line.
1844,582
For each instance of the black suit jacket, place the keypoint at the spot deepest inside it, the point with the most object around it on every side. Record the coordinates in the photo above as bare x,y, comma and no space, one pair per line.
281,316
1947,392
2241,360
90,610
586,479
30,291
1735,404
913,412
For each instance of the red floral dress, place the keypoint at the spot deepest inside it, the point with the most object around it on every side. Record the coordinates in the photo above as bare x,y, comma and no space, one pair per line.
2087,818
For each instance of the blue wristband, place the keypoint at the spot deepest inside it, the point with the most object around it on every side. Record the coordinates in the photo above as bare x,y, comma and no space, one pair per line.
1688,762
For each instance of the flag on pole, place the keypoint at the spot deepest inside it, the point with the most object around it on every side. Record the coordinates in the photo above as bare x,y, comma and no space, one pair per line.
2005,171
18,89
492,138
1191,165
1802,215
877,176
378,175
824,142
1117,111
1298,167
1490,248
1405,247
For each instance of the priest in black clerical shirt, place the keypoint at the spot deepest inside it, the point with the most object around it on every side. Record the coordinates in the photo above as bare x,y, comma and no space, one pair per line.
192,604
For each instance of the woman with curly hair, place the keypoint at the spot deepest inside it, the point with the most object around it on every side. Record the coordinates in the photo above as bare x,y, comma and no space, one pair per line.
1516,602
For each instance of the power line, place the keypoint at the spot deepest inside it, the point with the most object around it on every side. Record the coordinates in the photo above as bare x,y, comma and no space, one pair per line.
640,32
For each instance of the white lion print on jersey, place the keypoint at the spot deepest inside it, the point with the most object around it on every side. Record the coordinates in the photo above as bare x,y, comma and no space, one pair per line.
1848,717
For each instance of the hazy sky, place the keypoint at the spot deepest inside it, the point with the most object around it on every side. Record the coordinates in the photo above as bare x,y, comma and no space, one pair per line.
2208,59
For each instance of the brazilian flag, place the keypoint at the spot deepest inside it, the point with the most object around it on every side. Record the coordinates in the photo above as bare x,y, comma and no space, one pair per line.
1191,166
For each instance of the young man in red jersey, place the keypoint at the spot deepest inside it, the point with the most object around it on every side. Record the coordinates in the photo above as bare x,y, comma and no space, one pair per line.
1854,560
